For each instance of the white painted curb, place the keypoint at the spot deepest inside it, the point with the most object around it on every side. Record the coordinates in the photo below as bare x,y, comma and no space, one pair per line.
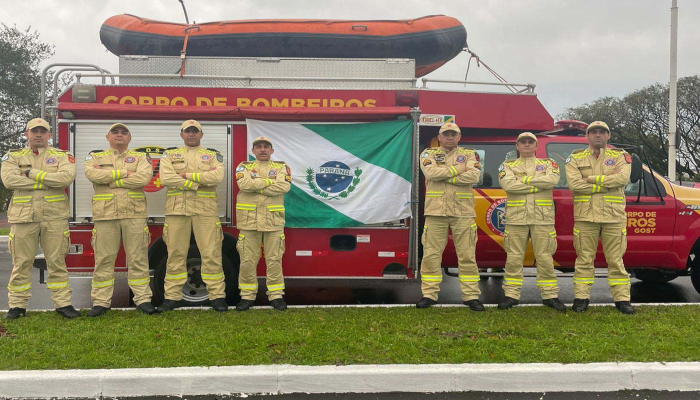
598,377
4,238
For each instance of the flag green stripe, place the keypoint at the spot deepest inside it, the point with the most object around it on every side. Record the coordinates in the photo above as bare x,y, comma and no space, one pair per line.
384,144
304,211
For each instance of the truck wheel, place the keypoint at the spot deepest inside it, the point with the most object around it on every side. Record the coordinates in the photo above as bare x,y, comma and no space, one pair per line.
695,275
194,292
653,276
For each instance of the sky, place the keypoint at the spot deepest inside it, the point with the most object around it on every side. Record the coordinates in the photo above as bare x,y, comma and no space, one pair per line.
574,51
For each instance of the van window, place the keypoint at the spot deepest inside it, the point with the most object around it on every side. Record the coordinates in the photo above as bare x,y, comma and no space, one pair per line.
559,152
492,156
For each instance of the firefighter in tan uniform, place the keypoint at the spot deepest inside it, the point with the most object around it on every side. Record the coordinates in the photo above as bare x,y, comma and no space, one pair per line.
450,172
528,182
118,176
260,219
192,174
597,177
39,213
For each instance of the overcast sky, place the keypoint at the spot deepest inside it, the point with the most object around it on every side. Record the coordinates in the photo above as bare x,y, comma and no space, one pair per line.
574,51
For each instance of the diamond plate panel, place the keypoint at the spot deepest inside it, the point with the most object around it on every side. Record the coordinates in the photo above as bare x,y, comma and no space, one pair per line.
282,73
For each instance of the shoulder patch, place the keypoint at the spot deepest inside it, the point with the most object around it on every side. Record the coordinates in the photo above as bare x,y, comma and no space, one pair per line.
6,156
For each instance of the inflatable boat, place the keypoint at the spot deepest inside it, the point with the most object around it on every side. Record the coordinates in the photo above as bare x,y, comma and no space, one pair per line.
431,40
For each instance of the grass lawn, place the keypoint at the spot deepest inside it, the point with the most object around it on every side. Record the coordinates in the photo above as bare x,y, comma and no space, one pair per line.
4,231
341,336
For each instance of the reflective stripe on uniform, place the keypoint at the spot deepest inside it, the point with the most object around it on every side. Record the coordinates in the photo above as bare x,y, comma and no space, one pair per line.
103,283
196,177
57,285
249,207
624,232
464,195
174,193
515,203
137,195
546,282
268,182
40,176
244,286
540,202
453,171
188,184
473,226
272,288
201,193
534,189
55,198
176,277
613,199
584,280
241,236
139,282
617,282
212,277
38,185
596,188
434,194
431,278
21,199
581,198
553,234
19,288
275,208
469,278
107,196
513,281
527,179
119,183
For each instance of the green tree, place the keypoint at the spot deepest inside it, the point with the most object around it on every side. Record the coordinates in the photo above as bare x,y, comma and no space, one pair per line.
21,53
641,119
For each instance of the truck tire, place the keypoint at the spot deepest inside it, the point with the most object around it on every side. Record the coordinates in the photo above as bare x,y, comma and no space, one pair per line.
194,292
653,276
695,275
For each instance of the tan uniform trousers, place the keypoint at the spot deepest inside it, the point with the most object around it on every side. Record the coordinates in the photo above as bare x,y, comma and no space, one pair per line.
544,245
209,236
614,238
248,247
107,237
23,244
464,236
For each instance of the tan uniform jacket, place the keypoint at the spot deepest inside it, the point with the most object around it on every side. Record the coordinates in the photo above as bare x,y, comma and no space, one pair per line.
449,177
41,196
116,195
528,183
196,193
260,203
603,201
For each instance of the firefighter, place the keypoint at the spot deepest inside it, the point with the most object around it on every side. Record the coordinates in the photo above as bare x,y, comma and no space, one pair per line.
450,172
118,176
597,177
528,182
39,175
192,174
260,218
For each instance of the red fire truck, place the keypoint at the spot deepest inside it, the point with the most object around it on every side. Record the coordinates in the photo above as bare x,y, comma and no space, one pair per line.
153,99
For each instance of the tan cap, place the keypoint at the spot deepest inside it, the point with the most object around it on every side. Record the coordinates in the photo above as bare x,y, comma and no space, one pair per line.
524,135
119,125
262,139
38,122
598,124
450,127
190,122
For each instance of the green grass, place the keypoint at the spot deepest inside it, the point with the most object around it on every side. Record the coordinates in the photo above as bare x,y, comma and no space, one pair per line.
4,231
341,336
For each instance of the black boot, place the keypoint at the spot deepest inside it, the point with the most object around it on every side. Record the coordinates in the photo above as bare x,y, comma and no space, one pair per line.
147,308
474,305
219,305
625,307
97,311
15,312
278,304
425,303
244,305
68,312
555,304
169,305
580,305
508,303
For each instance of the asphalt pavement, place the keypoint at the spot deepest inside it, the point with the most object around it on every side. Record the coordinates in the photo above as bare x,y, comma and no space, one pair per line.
375,291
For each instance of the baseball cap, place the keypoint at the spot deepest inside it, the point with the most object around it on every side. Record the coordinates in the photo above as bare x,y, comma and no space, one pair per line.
38,122
450,127
119,125
262,139
526,135
190,122
598,124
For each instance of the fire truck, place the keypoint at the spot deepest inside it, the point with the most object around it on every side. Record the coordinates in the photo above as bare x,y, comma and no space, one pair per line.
152,98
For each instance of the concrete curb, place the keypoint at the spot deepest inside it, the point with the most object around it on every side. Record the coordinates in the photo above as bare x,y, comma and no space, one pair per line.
279,379
4,238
